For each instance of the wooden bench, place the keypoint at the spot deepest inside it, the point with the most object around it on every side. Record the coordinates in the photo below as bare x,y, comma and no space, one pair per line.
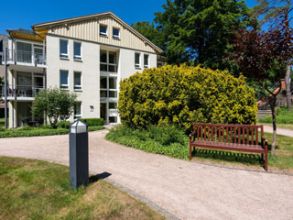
232,137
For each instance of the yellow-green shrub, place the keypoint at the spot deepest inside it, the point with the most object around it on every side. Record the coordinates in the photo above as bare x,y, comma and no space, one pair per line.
181,95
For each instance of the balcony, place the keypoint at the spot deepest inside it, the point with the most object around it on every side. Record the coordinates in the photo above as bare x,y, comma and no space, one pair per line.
21,92
27,57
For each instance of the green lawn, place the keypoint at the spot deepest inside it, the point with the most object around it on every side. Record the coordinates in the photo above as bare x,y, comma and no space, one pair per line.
177,147
38,131
31,189
283,117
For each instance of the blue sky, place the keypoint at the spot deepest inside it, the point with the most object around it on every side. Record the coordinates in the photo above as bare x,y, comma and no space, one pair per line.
24,13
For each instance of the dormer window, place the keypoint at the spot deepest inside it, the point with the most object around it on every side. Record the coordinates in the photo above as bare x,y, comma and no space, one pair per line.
103,30
116,33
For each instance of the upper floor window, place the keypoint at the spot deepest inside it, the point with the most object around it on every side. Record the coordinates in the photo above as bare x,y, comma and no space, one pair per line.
77,50
64,49
103,30
1,46
64,79
108,61
23,52
137,60
116,33
146,61
77,80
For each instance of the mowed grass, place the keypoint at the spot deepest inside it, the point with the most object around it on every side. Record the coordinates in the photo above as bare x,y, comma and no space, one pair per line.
284,116
175,144
31,189
38,131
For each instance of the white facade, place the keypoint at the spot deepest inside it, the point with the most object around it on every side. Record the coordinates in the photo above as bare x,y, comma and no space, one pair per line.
88,56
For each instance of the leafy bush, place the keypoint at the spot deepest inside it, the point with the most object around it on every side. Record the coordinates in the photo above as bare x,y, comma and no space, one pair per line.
93,121
167,140
181,95
63,124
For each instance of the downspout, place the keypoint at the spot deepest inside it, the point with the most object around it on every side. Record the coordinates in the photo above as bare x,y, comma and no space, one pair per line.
5,88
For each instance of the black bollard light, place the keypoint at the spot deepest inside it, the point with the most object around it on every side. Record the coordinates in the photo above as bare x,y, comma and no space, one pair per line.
78,154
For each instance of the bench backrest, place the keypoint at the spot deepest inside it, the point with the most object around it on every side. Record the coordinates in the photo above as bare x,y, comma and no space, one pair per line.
229,133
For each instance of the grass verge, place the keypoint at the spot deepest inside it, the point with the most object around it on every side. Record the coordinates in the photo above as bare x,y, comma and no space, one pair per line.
31,189
176,146
284,116
38,131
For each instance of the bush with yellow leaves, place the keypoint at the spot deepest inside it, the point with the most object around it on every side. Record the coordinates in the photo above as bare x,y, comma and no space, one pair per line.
182,95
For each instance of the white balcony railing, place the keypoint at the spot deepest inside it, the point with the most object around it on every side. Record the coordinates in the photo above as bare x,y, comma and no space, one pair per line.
22,91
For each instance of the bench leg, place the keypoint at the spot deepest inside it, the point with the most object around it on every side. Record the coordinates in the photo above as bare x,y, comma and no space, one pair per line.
190,152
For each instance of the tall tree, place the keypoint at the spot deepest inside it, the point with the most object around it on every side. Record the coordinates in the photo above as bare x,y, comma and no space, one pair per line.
260,56
150,32
200,31
277,13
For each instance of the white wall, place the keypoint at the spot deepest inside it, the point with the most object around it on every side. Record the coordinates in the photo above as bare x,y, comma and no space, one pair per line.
90,94
127,65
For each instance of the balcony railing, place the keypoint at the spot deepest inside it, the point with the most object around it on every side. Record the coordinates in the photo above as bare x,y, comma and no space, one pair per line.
22,91
26,57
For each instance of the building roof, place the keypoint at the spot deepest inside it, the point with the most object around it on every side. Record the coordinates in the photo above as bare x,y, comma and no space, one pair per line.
24,34
42,28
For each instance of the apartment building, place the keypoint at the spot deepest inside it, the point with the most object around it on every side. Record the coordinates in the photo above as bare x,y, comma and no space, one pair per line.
86,55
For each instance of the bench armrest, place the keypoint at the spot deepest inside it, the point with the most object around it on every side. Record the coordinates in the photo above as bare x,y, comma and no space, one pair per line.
264,142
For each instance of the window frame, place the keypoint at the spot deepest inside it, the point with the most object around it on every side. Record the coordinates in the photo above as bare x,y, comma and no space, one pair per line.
76,116
107,63
64,86
148,61
137,65
117,37
64,56
77,57
102,33
75,86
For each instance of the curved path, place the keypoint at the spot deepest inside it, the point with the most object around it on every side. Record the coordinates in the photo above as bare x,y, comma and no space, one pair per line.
280,131
185,189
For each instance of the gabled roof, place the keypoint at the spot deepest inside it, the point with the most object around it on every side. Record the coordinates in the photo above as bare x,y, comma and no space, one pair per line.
42,27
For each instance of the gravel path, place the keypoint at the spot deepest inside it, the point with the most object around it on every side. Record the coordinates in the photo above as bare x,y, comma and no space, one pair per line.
280,131
187,190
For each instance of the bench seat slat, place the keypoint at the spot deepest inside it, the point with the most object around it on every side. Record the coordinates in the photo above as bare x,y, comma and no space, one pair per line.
228,146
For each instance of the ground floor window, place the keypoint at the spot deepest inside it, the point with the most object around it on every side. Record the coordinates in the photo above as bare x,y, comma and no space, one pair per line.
77,110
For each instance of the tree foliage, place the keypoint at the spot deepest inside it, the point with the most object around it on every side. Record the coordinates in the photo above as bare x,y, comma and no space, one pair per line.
262,56
200,31
56,104
182,95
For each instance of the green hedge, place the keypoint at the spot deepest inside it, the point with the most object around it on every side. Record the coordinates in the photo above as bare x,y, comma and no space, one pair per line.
93,121
181,95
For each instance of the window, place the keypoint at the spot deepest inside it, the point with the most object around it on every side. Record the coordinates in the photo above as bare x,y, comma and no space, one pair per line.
108,61
64,49
77,80
103,30
1,46
146,61
77,110
64,79
24,52
77,50
108,87
116,33
137,60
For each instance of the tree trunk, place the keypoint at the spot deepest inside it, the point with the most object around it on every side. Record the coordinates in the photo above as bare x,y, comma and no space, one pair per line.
273,100
288,87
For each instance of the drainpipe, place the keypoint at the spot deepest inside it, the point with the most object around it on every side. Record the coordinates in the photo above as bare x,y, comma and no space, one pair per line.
5,88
